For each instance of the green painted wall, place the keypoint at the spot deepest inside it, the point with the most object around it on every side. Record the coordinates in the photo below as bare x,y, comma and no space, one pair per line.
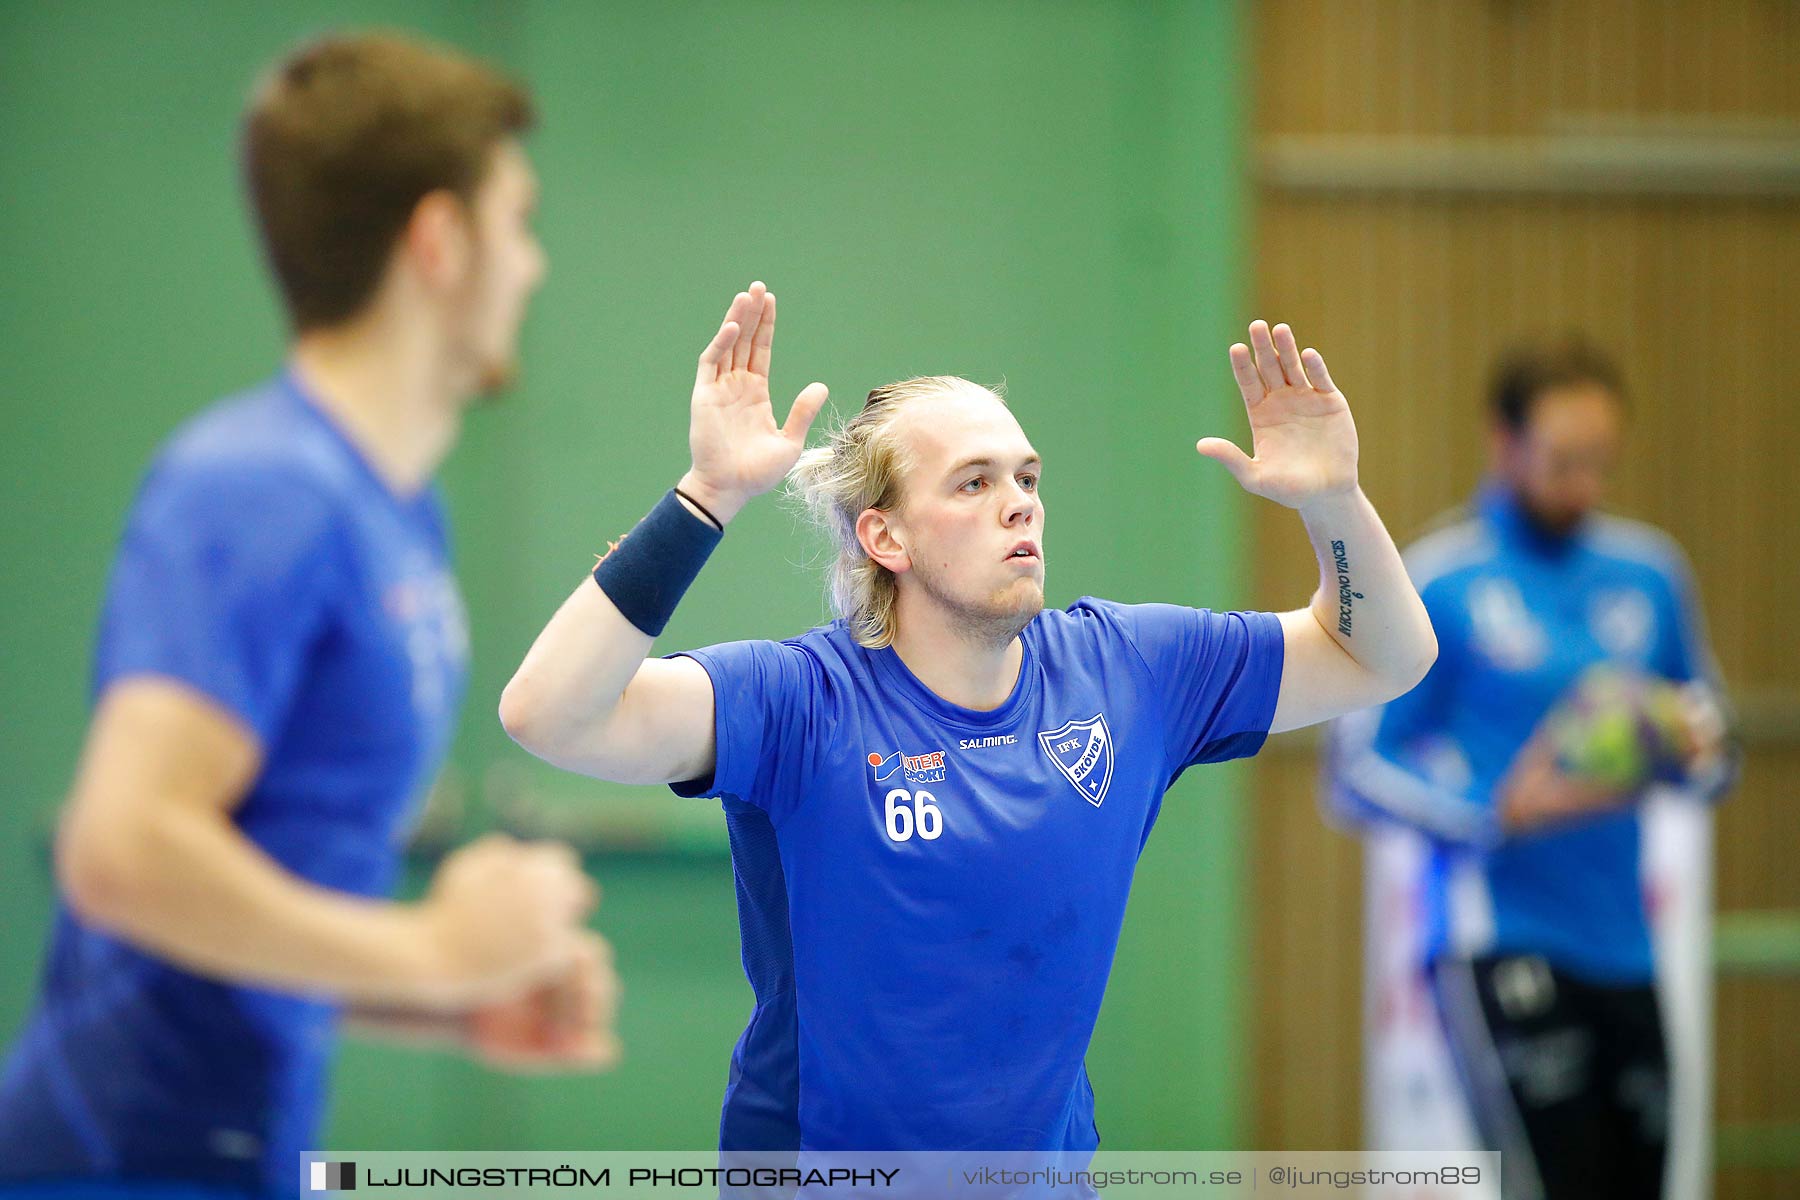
1044,194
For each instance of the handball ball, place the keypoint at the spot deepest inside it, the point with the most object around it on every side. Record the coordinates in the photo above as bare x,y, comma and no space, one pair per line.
1619,729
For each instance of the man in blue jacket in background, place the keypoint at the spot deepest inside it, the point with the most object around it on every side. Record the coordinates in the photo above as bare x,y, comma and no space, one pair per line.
1573,671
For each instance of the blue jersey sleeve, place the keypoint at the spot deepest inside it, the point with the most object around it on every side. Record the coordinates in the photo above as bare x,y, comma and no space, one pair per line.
222,582
1683,651
1399,761
770,719
1218,673
1685,655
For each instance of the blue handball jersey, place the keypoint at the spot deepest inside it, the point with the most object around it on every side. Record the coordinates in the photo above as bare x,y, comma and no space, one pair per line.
930,896
265,565
1520,615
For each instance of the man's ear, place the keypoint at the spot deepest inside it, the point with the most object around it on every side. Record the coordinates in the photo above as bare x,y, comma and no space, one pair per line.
1504,447
883,540
438,241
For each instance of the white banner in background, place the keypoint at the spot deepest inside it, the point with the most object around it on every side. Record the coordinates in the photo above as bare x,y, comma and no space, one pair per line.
1411,1097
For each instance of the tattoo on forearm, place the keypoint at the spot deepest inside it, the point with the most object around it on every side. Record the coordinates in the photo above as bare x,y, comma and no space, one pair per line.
1346,597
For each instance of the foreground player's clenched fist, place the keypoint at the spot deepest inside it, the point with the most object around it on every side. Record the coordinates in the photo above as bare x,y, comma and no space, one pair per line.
564,1023
504,915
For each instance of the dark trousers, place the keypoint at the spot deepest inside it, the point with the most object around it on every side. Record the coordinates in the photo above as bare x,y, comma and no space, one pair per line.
1568,1079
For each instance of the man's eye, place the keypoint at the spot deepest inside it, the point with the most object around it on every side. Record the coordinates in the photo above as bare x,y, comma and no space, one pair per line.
1028,482
975,484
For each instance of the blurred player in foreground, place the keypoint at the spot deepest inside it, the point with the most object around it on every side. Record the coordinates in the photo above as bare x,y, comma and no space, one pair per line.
1573,674
281,656
936,803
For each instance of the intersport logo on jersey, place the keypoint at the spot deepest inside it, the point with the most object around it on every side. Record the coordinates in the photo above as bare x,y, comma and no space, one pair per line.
915,768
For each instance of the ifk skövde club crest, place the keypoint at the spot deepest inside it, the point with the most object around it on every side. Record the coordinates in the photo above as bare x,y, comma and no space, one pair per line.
1083,752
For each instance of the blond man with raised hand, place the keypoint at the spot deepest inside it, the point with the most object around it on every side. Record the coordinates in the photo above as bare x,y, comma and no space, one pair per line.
937,801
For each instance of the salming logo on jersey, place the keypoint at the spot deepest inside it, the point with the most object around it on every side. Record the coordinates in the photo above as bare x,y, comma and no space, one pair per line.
1083,752
917,768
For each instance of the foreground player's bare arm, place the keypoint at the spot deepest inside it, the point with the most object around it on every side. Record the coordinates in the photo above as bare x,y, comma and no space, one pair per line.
586,698
148,851
1365,638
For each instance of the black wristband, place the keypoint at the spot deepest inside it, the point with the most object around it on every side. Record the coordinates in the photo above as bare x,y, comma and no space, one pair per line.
704,511
651,568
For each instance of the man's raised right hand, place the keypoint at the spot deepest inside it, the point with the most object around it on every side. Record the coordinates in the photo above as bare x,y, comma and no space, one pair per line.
738,450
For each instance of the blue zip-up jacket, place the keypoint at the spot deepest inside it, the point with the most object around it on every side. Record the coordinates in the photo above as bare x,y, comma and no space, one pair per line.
1520,615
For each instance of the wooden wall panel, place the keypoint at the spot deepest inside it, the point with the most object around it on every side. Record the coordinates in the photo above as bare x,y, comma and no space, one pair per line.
1305,885
1489,67
1411,291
